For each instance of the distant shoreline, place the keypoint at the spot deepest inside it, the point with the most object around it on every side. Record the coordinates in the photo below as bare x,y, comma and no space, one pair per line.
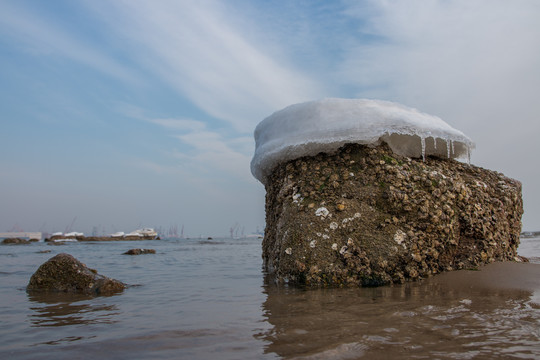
58,238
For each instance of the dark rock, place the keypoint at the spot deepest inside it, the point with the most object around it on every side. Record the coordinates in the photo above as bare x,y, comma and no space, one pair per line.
64,273
366,216
15,241
139,251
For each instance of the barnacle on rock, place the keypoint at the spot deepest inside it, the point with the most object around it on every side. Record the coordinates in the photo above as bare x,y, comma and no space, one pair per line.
401,221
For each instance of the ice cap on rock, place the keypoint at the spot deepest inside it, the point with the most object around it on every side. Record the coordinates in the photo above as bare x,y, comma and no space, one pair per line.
309,128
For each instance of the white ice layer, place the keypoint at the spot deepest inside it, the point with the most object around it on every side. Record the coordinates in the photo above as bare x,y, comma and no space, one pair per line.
309,128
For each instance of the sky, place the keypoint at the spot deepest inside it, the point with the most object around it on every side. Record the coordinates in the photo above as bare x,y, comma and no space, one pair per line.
117,115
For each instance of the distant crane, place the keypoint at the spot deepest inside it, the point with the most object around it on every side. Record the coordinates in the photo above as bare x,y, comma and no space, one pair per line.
173,231
68,229
42,230
234,230
16,228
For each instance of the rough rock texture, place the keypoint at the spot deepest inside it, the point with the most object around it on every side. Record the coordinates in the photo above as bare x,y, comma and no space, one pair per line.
366,216
64,273
15,241
139,251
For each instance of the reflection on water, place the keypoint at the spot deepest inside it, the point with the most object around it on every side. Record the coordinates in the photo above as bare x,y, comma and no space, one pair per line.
51,309
460,315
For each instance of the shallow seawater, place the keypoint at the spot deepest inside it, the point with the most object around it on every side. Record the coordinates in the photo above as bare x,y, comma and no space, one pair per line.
197,299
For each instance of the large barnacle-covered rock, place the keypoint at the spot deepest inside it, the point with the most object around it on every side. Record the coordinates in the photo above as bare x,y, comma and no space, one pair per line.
367,214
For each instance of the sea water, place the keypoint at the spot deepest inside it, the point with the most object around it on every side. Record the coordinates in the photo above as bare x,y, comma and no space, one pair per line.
205,299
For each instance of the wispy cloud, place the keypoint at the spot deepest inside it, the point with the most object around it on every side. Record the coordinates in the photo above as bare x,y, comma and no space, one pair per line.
206,151
43,37
197,49
436,54
180,124
212,151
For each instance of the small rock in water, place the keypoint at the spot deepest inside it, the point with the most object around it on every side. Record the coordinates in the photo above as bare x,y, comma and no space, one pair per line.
140,251
64,273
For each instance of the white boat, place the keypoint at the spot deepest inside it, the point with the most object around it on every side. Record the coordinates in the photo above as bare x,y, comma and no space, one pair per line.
118,234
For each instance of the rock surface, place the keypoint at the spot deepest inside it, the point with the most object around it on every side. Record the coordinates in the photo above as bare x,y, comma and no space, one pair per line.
366,216
139,251
15,241
64,273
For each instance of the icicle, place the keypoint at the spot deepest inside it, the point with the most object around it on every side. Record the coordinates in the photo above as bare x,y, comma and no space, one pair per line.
423,142
448,148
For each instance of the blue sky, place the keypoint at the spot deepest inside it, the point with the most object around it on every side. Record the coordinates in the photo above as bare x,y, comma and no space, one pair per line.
141,113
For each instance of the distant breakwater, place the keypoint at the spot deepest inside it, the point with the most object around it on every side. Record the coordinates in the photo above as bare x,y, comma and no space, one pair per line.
60,238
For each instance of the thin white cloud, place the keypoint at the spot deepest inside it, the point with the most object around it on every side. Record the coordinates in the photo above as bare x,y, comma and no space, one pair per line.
43,37
208,151
196,48
436,54
213,152
180,124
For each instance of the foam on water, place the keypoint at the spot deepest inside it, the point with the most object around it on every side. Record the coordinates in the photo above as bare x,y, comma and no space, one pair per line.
309,128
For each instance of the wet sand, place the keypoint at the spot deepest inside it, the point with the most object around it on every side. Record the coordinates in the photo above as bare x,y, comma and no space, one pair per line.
497,276
492,313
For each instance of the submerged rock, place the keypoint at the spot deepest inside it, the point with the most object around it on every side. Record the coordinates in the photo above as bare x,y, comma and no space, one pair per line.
366,216
139,251
64,273
16,241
